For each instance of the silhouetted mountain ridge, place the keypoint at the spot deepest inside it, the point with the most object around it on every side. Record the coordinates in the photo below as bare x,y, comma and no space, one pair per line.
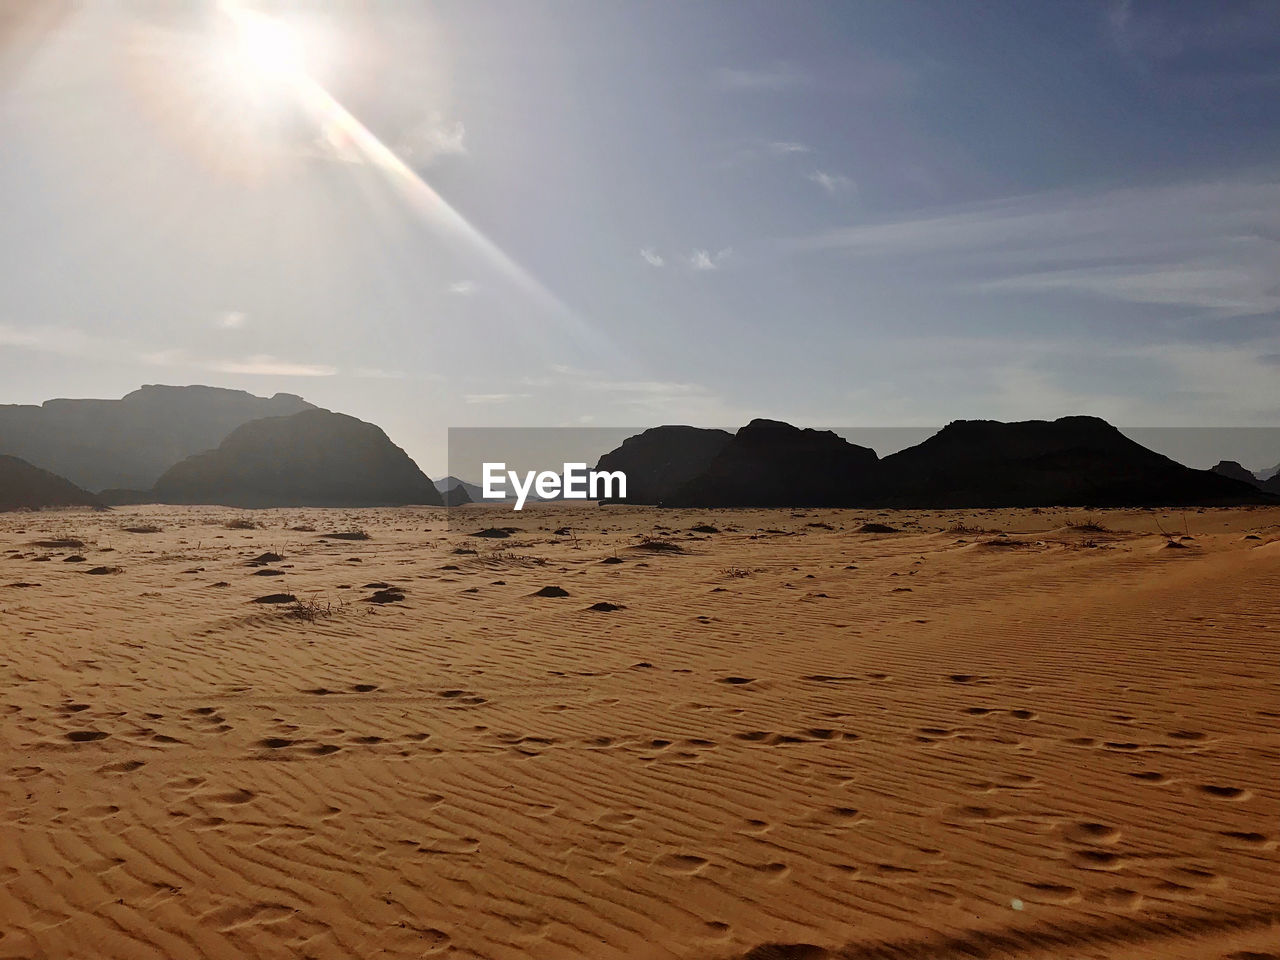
1235,470
310,459
1077,460
128,443
769,463
1070,461
661,460
27,487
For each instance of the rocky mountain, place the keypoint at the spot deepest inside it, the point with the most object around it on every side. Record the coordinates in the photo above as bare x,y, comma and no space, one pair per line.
314,458
129,443
456,496
1071,461
1236,471
773,464
23,487
473,492
661,460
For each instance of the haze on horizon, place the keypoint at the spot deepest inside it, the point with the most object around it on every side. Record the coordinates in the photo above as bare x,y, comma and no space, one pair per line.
536,213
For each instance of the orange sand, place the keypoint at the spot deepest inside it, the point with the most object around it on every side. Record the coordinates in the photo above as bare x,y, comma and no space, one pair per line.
928,744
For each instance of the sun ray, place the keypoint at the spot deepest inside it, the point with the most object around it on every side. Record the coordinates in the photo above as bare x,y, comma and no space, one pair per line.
269,45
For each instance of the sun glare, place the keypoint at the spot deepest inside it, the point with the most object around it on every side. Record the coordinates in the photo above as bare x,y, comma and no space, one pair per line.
264,51
270,46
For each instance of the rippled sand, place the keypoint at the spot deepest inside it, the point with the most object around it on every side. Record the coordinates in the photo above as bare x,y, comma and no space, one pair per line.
780,737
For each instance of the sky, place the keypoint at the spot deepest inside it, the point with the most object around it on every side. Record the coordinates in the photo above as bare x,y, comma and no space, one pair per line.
549,213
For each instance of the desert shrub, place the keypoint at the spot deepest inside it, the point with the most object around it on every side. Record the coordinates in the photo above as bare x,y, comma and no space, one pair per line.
1089,524
312,609
657,545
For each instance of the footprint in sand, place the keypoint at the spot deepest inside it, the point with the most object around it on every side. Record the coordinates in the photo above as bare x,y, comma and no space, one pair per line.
85,736
1086,832
450,845
124,766
615,820
232,798
1052,893
1224,793
1096,860
1247,840
685,863
775,870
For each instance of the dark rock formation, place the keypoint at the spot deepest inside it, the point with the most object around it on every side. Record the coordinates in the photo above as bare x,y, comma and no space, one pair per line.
24,487
1074,461
773,464
662,459
311,459
456,496
473,492
1236,471
128,443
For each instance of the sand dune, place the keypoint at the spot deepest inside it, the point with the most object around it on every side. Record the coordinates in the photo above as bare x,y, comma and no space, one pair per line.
989,734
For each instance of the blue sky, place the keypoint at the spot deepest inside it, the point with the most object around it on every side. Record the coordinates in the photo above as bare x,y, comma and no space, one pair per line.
632,213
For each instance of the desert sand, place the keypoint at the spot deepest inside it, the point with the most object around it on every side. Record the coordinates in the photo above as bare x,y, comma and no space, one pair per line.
990,734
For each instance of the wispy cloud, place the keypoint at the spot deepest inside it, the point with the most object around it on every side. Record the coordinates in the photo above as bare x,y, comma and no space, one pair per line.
777,76
782,148
832,183
463,288
50,339
492,398
432,137
1203,247
703,260
652,257
268,366
232,319
260,364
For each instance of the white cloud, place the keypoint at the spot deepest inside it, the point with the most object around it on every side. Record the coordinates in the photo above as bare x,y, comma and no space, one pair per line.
268,366
832,183
703,260
46,339
165,358
432,137
463,288
1206,248
782,148
652,257
1217,289
232,320
476,398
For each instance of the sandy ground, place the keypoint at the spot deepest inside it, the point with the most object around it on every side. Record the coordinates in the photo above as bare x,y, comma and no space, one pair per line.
791,740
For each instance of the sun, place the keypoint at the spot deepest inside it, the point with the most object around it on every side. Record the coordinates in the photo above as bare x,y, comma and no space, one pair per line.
262,49
271,46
